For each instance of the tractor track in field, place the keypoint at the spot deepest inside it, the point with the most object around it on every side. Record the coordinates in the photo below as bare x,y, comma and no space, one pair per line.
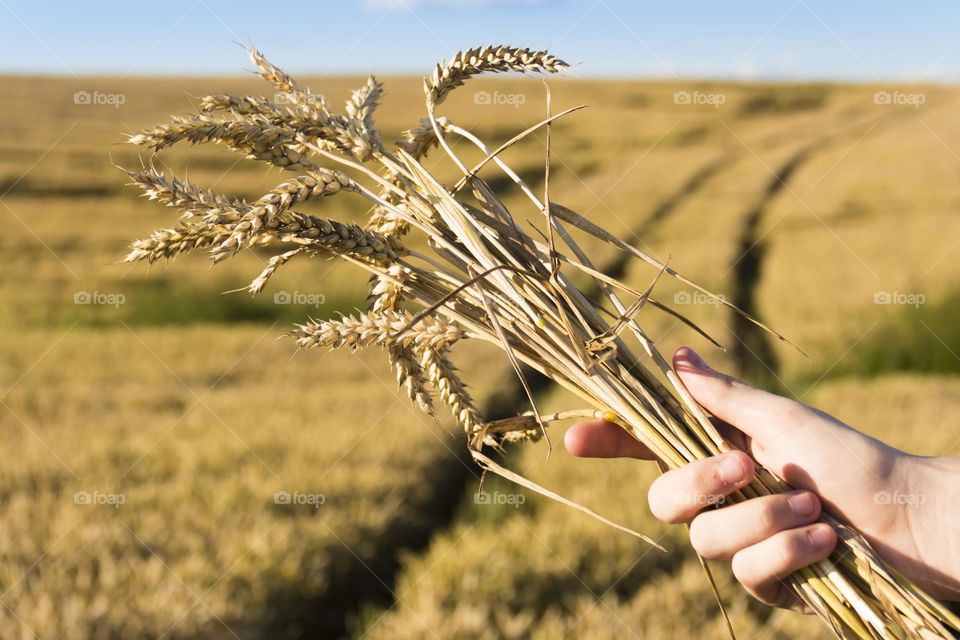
617,268
364,583
358,581
753,352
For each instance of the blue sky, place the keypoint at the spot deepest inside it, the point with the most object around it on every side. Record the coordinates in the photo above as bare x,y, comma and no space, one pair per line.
792,40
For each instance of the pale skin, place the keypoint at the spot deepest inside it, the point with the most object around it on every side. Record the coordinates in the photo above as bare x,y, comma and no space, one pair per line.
905,505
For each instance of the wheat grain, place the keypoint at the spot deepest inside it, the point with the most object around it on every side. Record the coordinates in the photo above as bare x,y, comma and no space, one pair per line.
258,139
420,139
317,183
318,233
386,293
442,375
410,376
386,290
277,261
192,201
360,108
313,123
272,74
242,106
495,59
279,200
377,329
239,224
384,221
170,243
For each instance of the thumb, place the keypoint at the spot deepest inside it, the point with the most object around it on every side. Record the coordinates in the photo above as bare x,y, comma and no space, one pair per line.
759,414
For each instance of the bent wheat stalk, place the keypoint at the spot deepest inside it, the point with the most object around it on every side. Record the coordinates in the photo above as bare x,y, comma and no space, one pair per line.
484,279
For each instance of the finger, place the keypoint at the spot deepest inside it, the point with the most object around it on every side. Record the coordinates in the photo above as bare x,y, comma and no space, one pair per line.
720,533
731,434
760,568
757,413
678,495
602,439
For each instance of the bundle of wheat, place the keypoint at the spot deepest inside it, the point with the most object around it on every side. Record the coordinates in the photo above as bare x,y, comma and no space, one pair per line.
483,278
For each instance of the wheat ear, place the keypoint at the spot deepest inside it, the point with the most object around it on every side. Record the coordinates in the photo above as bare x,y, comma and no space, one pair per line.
377,329
491,59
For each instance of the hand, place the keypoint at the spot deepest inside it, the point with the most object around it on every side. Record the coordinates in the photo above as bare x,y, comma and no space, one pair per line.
906,506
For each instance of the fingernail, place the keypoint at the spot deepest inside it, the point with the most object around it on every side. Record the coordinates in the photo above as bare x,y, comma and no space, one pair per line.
821,536
801,503
693,360
730,469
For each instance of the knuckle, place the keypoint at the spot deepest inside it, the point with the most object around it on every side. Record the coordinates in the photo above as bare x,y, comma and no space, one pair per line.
705,476
794,412
700,538
668,514
671,497
661,505
704,481
768,516
743,571
791,547
817,508
745,460
732,383
728,387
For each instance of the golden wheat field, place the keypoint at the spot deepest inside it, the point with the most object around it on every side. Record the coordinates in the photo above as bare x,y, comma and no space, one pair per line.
173,468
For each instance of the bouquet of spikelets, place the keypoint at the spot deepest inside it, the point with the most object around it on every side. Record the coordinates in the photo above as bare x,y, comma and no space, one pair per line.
480,276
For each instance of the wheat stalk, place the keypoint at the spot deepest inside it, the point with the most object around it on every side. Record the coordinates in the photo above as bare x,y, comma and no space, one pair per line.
485,279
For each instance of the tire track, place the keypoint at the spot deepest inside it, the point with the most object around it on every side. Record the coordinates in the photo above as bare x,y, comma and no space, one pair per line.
363,582
617,268
753,352
359,581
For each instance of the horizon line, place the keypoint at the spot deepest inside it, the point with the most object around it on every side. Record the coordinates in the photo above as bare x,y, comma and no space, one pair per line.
594,77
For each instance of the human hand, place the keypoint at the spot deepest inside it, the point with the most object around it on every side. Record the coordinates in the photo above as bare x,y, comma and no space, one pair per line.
906,506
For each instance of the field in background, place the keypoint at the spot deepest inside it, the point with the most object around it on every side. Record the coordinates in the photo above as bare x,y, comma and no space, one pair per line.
173,470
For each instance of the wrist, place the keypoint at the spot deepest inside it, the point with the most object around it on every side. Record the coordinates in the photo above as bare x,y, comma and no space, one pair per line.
934,483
